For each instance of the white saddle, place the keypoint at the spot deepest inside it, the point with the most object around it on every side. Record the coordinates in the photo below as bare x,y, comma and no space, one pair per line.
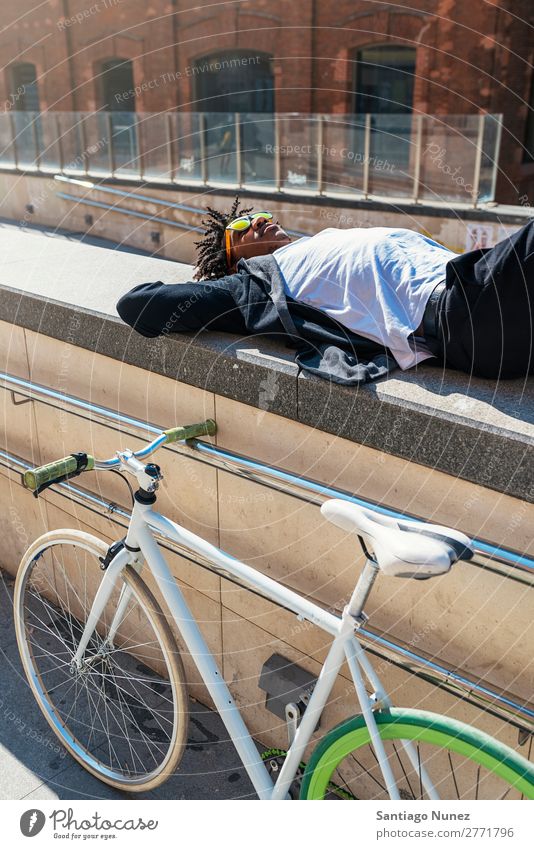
404,548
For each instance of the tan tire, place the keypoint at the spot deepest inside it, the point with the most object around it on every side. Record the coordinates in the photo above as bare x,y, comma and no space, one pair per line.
141,690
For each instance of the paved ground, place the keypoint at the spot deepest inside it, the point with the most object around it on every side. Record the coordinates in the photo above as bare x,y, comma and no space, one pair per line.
34,766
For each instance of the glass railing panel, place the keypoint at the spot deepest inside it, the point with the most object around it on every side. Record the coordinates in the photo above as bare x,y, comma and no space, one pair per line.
299,136
392,155
154,147
7,148
97,150
49,154
125,144
186,145
220,147
343,151
446,158
449,158
490,155
28,134
75,149
258,150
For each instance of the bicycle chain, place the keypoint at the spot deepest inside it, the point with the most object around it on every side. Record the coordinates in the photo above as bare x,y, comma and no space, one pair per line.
277,758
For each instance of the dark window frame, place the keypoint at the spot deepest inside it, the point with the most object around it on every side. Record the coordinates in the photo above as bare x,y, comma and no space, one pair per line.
387,46
21,89
201,77
124,66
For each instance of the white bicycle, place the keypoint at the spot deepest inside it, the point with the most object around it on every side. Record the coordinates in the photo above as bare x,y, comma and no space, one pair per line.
105,667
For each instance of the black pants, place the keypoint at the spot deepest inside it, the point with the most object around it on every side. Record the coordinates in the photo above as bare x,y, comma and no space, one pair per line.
486,312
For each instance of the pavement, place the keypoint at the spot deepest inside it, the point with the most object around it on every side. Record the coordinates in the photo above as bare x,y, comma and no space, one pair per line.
34,765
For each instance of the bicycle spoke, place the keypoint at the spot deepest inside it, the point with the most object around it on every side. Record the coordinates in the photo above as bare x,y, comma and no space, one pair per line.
113,705
453,776
403,770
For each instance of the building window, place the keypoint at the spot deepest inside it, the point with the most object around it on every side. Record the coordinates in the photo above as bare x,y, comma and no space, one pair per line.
24,88
528,153
117,83
117,96
237,81
384,79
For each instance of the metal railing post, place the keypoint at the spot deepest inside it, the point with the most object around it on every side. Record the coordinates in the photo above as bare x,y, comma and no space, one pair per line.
203,162
417,164
14,141
170,154
85,150
496,155
140,149
320,154
36,145
277,165
366,155
59,145
478,158
111,153
238,161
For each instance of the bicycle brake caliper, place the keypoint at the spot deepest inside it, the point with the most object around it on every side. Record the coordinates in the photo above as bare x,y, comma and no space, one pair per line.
111,552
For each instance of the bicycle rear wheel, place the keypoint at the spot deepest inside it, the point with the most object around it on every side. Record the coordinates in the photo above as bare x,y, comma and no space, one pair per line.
462,762
124,714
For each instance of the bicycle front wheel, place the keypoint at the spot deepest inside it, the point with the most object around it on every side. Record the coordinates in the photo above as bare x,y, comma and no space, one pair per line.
461,762
124,714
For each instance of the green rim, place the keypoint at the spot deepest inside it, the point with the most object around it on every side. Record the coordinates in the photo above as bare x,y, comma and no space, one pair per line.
402,724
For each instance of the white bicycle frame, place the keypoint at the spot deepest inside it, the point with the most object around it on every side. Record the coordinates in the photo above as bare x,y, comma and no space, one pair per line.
143,522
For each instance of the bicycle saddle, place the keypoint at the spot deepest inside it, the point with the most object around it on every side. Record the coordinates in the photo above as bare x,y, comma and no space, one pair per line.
403,548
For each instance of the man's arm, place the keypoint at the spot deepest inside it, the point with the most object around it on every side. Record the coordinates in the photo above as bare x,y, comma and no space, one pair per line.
156,308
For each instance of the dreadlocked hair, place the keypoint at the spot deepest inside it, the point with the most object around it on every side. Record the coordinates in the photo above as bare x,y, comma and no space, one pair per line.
212,262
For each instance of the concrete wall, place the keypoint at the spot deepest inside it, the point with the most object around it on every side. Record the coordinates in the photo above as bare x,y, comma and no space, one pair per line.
458,231
472,618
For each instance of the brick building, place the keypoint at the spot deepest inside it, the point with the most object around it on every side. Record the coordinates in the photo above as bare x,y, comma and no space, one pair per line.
348,56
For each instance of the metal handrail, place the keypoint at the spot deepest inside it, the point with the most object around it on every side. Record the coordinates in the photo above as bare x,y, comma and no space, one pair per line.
500,704
144,198
503,561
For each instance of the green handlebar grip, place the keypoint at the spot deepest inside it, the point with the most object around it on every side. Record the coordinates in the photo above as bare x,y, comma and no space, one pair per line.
175,434
34,478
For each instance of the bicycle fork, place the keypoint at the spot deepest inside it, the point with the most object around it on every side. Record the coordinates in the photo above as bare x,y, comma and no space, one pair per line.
103,593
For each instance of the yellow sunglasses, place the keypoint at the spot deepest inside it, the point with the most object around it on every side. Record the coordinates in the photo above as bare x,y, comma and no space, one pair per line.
240,225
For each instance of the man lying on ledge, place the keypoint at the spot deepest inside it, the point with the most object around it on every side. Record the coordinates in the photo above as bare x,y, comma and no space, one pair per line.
354,303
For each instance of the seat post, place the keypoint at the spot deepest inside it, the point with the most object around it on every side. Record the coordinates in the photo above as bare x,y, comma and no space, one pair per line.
363,588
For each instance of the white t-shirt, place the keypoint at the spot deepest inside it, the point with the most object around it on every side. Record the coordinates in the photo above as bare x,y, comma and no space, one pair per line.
375,281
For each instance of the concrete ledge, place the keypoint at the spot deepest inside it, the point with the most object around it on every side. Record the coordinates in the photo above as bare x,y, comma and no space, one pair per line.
476,430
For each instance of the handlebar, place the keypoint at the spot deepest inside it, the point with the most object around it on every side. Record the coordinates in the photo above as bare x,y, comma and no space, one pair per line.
59,470
177,434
